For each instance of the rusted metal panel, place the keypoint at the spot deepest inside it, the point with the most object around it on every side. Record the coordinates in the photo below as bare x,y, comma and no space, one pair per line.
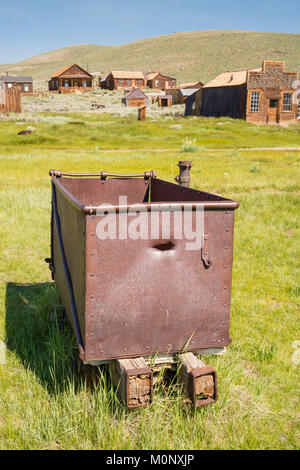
89,192
137,297
163,191
72,225
142,299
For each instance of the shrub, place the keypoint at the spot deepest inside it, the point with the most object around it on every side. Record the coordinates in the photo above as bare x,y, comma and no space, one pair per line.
189,145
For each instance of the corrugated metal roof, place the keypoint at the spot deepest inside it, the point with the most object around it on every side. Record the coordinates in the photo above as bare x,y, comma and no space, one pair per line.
103,79
188,91
230,78
124,74
15,79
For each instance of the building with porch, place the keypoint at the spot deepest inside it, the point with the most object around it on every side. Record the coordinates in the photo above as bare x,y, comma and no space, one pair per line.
71,78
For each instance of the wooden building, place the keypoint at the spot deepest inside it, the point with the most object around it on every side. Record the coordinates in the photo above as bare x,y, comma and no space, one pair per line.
191,85
122,79
262,96
183,94
142,113
25,84
174,93
159,81
191,101
165,101
10,99
193,104
102,79
135,97
70,79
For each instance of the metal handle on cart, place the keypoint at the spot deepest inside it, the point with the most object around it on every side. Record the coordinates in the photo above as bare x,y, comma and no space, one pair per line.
103,175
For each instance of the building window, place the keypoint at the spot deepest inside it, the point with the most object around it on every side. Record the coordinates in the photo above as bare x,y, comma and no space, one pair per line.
173,83
84,83
9,85
121,82
66,83
156,82
287,102
138,82
26,88
254,108
128,82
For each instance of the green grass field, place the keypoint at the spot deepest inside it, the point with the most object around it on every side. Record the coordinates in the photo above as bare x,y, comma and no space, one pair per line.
44,404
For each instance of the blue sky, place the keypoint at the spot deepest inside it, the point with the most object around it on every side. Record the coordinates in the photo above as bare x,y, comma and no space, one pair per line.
31,27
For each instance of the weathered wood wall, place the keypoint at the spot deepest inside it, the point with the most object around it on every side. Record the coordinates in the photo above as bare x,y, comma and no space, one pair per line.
73,84
162,82
224,101
74,89
10,100
165,101
112,83
174,92
21,86
190,105
142,113
135,101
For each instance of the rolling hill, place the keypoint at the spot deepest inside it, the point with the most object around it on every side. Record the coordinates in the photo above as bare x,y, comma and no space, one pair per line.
188,56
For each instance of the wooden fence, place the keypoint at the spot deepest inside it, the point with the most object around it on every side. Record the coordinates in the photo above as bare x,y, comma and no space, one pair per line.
10,100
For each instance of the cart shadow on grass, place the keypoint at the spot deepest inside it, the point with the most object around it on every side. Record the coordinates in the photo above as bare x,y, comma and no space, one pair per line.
38,333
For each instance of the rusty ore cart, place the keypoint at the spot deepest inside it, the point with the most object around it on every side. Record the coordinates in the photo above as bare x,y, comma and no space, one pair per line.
138,304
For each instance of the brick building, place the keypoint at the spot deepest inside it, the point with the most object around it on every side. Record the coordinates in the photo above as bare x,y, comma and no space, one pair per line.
263,96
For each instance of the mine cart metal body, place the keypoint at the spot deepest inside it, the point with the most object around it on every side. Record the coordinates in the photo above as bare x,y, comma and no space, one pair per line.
127,297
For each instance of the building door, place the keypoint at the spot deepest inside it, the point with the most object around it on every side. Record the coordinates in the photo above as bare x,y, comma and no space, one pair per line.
273,110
